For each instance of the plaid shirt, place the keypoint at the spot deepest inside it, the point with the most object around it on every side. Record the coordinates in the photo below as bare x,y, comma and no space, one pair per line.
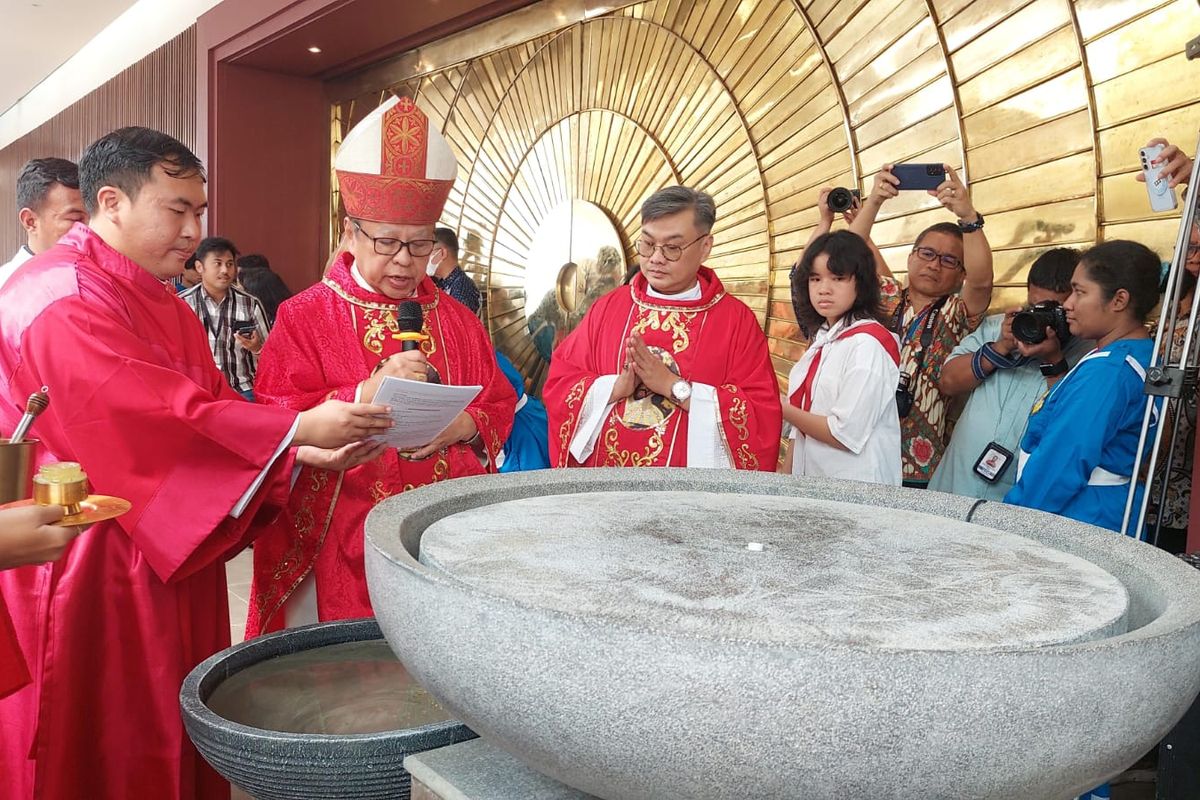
236,363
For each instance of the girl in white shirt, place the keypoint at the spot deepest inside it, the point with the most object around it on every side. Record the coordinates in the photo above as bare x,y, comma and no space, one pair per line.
841,398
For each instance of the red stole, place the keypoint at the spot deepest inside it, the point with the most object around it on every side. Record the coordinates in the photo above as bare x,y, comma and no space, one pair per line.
325,342
715,340
802,397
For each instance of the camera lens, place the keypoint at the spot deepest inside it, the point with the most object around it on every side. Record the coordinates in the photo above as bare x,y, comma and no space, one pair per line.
1029,327
840,200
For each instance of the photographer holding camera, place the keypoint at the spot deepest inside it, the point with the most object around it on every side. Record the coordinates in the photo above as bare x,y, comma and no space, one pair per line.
1003,385
1077,455
948,292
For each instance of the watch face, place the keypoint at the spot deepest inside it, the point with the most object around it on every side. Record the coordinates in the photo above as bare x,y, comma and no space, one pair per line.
681,391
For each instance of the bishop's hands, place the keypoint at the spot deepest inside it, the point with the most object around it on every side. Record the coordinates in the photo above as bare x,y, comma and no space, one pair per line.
411,365
28,535
461,431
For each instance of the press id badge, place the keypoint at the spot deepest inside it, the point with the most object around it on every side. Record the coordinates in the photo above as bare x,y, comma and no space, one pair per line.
993,461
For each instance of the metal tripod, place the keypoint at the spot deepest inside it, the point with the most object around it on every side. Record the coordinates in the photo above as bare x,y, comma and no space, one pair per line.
1170,379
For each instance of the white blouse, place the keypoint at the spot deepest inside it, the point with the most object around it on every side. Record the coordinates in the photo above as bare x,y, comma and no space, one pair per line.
855,388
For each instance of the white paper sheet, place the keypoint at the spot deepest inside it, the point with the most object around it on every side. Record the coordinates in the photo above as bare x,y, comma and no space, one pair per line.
420,410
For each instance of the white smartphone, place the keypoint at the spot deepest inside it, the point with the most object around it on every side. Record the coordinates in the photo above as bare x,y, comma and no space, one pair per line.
1162,197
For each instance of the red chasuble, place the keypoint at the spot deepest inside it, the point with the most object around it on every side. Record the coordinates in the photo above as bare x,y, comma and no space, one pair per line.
326,341
111,629
715,340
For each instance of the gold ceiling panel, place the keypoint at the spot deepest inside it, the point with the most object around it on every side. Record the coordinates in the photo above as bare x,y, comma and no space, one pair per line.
761,103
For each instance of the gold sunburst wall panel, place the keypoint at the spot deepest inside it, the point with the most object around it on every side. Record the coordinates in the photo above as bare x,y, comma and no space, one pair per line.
1043,104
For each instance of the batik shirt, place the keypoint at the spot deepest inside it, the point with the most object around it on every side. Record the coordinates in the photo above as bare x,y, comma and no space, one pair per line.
923,434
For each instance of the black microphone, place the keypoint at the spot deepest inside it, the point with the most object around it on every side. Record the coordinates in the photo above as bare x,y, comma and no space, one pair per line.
410,319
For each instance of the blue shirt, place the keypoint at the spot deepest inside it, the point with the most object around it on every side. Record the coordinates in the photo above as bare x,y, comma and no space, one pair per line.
1090,420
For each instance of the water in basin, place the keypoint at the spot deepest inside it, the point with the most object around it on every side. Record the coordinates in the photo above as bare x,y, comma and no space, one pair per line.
348,688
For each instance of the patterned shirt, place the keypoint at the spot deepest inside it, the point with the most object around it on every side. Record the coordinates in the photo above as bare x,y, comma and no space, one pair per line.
459,285
236,363
923,432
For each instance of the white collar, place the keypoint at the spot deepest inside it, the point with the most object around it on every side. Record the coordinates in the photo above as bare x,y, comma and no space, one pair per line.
693,293
362,282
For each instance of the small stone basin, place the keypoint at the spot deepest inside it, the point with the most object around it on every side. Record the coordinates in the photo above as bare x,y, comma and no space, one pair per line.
314,712
699,634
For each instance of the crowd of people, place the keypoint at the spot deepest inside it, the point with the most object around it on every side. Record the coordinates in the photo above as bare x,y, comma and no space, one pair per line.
228,412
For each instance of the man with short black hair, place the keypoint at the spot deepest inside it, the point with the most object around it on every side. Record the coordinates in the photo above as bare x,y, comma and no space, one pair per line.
49,203
948,292
1003,386
669,370
447,274
235,321
113,628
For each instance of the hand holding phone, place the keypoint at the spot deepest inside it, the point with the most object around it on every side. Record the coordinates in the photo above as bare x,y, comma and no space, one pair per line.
245,329
919,176
1162,198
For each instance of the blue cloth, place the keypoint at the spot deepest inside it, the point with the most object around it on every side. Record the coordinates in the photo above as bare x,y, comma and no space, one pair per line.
1101,792
248,394
1091,418
527,446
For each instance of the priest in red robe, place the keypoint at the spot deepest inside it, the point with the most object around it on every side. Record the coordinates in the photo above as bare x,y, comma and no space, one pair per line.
337,339
111,629
669,370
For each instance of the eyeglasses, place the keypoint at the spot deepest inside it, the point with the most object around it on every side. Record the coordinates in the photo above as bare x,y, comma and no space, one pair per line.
929,255
671,252
386,246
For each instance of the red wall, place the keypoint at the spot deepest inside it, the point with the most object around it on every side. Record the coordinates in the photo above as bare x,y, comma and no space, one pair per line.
269,176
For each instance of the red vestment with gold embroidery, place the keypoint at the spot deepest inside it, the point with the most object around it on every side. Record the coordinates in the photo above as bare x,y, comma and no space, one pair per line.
715,340
326,341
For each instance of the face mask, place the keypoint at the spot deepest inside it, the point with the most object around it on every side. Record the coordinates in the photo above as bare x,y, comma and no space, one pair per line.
431,267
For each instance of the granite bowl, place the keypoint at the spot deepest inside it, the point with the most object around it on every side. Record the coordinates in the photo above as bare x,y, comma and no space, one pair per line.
273,765
632,706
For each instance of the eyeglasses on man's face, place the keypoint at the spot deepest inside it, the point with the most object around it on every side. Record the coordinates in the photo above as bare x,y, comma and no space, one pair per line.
671,252
387,246
929,256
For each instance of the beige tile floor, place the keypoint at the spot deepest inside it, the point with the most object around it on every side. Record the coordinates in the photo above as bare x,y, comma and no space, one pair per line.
238,573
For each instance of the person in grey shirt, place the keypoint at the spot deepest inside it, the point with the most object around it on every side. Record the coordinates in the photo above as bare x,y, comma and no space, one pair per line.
980,460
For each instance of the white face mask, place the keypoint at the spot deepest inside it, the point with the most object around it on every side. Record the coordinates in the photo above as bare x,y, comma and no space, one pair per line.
431,267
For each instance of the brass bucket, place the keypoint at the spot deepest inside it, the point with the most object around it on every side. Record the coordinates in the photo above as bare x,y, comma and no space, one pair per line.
16,470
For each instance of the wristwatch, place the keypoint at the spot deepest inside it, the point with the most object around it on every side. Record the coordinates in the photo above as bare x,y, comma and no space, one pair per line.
971,227
1058,368
680,391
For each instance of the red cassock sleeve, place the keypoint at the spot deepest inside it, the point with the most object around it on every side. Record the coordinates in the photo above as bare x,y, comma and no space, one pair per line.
172,438
751,415
574,367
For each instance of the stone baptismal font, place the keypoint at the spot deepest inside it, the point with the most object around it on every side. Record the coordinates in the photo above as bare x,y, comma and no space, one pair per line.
645,634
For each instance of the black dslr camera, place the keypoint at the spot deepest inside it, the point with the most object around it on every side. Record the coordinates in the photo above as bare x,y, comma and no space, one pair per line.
1030,325
841,200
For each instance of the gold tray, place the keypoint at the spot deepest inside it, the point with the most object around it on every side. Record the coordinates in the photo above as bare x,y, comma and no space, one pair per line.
96,508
